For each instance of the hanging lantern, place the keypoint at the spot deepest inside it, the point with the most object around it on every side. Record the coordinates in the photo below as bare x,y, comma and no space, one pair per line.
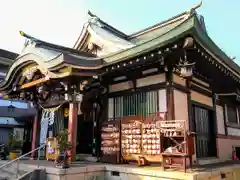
42,89
186,69
78,97
67,97
82,85
22,95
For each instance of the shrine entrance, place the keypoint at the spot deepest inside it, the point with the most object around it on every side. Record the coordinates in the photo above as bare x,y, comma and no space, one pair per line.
85,134
205,128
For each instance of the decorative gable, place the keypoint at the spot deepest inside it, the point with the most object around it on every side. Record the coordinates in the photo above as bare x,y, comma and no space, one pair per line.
100,39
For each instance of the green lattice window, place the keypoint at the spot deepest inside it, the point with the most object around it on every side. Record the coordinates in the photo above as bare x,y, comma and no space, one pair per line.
141,103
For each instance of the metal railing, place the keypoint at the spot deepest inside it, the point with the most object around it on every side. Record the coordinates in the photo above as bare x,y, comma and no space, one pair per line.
17,160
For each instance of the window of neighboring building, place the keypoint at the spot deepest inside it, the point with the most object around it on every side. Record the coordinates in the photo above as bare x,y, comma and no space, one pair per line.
232,114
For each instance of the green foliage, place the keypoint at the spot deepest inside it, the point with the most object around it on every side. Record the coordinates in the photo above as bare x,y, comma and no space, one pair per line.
62,139
13,142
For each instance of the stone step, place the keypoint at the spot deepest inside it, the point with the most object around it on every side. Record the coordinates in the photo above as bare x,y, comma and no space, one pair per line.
10,172
86,157
13,171
7,175
3,178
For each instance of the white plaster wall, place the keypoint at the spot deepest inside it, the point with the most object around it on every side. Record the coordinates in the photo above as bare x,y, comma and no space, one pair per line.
155,79
149,80
120,86
233,131
179,80
225,147
220,120
198,97
110,108
162,100
201,82
180,105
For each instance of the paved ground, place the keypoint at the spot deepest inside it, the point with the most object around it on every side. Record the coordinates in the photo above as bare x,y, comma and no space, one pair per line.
155,170
51,163
84,163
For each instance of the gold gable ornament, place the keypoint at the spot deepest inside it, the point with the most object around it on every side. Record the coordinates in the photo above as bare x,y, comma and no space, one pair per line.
66,112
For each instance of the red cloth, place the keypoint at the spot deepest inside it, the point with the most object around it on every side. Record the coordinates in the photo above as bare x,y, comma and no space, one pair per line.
235,158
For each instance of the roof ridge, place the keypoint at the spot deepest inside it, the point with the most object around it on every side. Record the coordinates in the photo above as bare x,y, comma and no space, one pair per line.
146,42
166,22
55,46
145,30
109,27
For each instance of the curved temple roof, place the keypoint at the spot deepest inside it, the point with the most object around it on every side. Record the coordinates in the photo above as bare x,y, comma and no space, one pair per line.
107,41
106,37
51,56
111,40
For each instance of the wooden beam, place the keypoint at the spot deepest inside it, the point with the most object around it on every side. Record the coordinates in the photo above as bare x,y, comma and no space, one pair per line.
34,83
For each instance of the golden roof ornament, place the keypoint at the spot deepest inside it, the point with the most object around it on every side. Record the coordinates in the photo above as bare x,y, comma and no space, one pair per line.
30,41
190,11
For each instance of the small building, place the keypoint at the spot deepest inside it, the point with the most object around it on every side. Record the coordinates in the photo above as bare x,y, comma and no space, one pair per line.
172,69
15,116
6,59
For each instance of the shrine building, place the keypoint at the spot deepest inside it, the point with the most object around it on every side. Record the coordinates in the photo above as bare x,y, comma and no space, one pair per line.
171,71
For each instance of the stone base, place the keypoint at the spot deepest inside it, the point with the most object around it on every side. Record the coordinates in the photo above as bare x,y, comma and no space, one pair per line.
86,158
100,171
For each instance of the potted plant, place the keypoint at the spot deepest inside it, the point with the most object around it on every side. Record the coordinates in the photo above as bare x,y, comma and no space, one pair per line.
14,146
63,146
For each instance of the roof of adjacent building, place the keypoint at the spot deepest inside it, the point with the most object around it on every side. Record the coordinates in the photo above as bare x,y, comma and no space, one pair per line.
7,57
8,54
16,112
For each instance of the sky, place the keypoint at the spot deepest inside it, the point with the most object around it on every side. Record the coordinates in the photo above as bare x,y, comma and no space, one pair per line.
60,21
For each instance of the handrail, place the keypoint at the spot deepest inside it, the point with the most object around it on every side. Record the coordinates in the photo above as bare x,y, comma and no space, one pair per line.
24,155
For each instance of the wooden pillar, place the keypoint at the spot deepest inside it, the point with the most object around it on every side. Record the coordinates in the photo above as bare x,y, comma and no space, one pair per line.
34,135
170,96
72,129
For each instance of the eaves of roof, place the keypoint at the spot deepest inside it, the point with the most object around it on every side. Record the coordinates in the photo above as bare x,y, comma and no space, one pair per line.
166,37
189,26
213,49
